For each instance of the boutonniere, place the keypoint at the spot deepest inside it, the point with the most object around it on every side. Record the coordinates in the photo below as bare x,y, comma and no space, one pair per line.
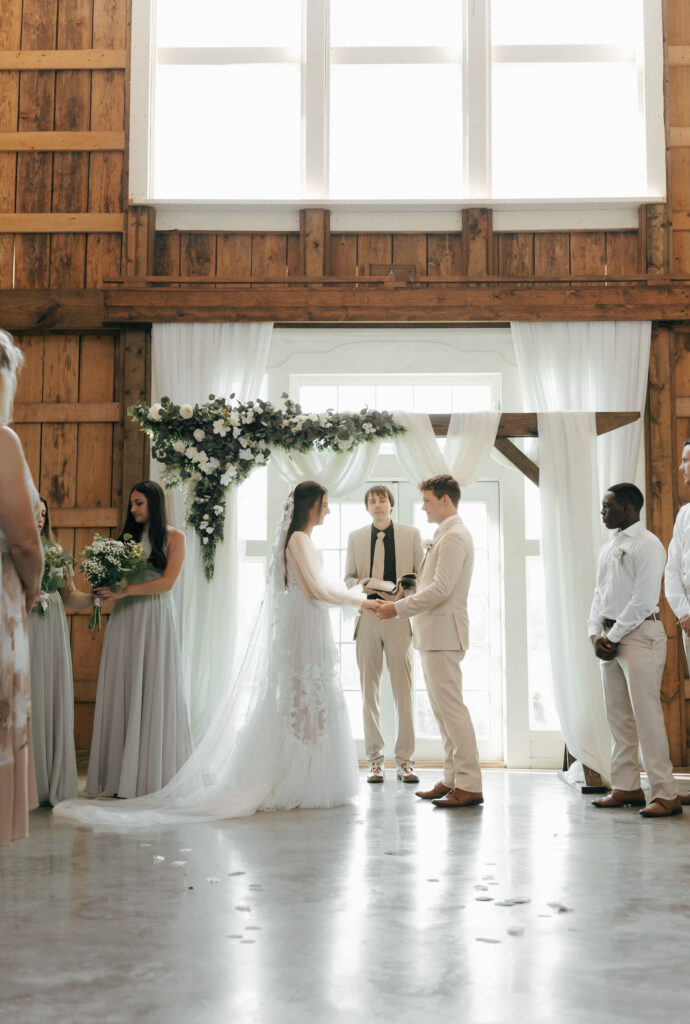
427,545
618,553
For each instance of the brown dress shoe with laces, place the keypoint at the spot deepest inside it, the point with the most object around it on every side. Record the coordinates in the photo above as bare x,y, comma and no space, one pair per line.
622,798
660,808
459,798
440,789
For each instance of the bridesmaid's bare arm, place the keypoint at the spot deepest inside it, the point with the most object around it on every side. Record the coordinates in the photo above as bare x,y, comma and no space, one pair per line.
164,583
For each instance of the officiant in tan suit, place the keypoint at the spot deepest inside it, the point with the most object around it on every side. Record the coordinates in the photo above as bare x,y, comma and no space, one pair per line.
384,551
441,634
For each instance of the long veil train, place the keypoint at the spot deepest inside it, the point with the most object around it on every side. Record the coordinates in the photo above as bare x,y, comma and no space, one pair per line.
235,768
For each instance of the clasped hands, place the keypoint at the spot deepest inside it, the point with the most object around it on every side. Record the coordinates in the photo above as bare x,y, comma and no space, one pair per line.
384,604
604,648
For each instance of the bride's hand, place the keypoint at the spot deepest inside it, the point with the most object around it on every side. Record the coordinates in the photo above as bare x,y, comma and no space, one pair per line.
369,606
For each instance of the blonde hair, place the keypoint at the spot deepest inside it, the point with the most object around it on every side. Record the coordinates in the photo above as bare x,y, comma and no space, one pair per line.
11,360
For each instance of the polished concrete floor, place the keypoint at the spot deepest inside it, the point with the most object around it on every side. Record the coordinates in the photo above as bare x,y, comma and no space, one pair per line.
391,911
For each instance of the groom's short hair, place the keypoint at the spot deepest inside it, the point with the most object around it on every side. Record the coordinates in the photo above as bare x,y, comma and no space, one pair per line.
440,485
382,491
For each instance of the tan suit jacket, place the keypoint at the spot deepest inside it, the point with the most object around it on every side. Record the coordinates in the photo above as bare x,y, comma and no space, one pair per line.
408,552
439,606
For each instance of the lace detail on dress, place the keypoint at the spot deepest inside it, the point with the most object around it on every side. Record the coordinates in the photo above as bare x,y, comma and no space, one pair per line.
309,698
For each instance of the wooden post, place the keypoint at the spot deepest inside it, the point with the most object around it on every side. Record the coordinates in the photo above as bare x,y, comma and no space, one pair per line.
477,242
314,242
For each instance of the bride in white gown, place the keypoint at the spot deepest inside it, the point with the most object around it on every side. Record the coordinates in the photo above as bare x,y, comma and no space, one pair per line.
281,736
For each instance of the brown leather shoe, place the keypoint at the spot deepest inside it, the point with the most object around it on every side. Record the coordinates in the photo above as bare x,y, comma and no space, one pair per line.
440,789
684,799
459,798
622,798
660,808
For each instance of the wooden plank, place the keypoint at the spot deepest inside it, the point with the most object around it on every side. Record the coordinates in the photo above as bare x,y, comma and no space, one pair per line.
10,37
657,249
67,412
587,252
103,258
61,60
678,164
677,97
269,255
233,254
622,252
678,56
551,253
343,254
140,229
679,137
30,389
314,242
444,255
477,242
135,388
58,441
198,254
683,407
95,441
48,223
409,250
518,458
166,255
85,518
525,424
22,309
516,253
373,249
37,142
61,369
677,23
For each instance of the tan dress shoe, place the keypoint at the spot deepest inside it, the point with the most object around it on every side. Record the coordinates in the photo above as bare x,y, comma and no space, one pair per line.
459,798
405,773
375,773
440,789
660,808
622,798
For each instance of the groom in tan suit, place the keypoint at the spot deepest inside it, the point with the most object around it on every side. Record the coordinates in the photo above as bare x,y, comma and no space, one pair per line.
386,551
440,632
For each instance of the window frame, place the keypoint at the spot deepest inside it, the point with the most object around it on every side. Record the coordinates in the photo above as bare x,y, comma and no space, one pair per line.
565,213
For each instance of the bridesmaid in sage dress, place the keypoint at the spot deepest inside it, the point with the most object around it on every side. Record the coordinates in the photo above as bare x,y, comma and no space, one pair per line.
52,690
141,735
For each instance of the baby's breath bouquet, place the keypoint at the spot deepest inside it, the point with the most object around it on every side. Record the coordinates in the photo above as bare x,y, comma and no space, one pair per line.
110,563
57,569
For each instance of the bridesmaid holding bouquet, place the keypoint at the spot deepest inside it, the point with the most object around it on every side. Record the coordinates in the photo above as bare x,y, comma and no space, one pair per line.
52,700
141,735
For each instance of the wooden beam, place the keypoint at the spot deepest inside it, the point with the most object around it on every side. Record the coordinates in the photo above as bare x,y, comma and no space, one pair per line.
678,56
679,136
62,60
84,518
682,407
524,424
67,412
52,223
518,458
314,242
39,142
52,309
399,302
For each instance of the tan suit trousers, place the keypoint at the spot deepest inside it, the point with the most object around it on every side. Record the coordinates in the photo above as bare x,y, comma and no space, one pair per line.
392,638
443,677
632,684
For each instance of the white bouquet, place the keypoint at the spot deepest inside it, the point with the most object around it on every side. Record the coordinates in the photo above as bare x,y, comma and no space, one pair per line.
110,563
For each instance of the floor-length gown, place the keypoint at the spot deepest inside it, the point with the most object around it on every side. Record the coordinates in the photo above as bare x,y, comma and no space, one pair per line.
52,703
141,734
281,737
17,784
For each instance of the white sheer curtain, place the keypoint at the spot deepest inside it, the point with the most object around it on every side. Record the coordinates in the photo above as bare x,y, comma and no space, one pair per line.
575,367
189,362
340,473
470,440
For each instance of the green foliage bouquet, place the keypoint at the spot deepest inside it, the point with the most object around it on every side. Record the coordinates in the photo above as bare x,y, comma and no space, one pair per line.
216,445
110,563
57,569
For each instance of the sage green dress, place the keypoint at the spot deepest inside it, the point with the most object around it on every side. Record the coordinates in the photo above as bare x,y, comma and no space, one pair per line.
141,735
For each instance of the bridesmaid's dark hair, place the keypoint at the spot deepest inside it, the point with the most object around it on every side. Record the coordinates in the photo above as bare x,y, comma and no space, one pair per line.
306,496
47,530
158,522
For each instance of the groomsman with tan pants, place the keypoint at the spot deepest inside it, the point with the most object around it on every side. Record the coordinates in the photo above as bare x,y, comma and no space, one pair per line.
441,634
384,551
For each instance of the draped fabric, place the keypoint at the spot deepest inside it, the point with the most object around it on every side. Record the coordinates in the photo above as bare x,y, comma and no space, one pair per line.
341,473
574,367
469,443
189,362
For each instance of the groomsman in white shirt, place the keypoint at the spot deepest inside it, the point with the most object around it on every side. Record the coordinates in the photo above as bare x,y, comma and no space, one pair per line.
630,640
385,551
677,581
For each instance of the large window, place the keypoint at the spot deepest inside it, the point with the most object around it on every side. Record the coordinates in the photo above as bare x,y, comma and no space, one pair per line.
396,101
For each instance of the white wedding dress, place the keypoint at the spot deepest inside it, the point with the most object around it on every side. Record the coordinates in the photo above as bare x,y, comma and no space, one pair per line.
281,737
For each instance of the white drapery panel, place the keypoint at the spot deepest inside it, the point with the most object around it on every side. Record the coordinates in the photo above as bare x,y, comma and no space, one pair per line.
470,440
568,488
340,473
189,362
574,367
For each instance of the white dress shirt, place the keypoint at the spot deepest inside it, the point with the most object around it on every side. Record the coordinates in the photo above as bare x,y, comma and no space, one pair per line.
629,575
677,582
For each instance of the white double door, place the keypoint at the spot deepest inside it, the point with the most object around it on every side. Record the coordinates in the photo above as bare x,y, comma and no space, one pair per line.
483,664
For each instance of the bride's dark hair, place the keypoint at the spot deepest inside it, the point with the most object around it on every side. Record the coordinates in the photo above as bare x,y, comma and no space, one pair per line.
305,496
158,522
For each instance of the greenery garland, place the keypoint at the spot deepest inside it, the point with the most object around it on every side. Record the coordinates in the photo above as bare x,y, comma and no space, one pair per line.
217,444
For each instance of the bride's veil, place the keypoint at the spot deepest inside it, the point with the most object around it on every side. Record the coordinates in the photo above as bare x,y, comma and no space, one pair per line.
231,772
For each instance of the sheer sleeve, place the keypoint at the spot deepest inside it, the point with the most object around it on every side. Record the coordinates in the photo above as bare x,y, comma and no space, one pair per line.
304,562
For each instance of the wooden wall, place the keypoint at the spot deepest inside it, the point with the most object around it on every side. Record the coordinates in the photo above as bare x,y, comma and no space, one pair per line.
65,223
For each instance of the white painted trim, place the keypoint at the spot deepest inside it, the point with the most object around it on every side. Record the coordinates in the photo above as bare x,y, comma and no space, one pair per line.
559,54
395,55
219,55
654,98
315,97
141,100
476,99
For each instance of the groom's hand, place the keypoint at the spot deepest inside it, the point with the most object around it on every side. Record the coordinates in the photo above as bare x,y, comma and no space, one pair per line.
385,609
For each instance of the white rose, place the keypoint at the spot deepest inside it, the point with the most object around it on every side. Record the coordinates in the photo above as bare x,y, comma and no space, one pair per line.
246,454
192,453
186,412
229,474
249,416
155,412
214,463
234,419
314,417
210,529
220,428
347,443
199,434
180,446
204,540
236,432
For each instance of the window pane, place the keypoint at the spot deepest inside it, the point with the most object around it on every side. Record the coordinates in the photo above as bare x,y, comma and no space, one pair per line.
396,131
392,398
353,397
252,499
471,398
318,397
532,511
218,132
396,23
432,398
542,708
229,23
566,130
555,21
